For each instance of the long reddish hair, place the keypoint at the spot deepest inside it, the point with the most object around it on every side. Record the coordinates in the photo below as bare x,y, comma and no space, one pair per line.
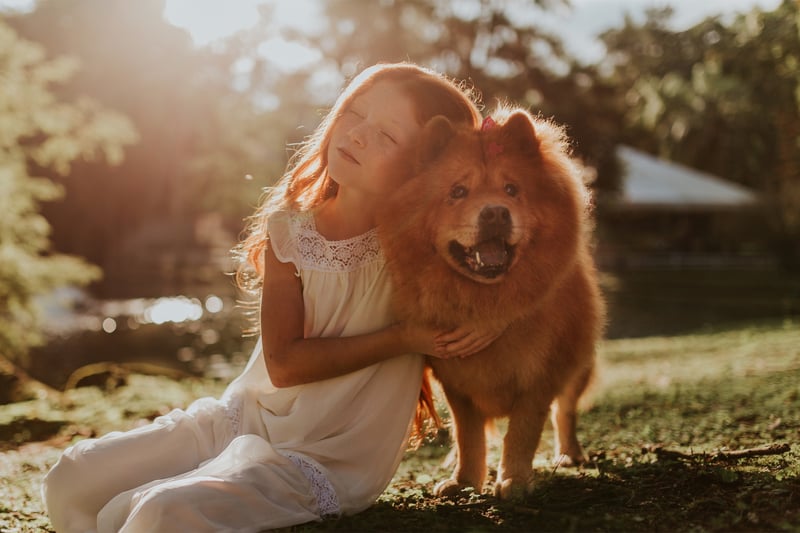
305,184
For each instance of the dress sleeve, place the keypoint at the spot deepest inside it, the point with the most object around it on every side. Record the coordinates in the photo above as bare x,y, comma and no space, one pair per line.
281,228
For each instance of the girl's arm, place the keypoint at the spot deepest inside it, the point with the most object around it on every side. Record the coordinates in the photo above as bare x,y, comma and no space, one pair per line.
293,360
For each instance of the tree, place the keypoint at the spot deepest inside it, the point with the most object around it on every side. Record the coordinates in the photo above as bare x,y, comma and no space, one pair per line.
201,138
135,62
40,131
209,118
496,45
721,98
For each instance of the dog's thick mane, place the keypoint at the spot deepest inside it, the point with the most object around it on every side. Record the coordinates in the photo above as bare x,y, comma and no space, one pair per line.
558,198
491,232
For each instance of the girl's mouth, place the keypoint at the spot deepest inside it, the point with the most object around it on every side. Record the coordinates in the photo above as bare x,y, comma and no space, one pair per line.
348,156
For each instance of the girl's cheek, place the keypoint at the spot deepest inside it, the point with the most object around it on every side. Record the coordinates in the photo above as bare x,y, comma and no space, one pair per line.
394,151
396,169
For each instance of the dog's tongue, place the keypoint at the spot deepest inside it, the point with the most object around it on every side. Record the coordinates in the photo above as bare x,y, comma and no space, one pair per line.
492,252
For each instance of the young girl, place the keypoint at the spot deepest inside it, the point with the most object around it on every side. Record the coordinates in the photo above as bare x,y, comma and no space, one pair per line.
318,421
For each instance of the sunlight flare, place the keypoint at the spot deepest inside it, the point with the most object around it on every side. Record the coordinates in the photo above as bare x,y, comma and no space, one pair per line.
210,20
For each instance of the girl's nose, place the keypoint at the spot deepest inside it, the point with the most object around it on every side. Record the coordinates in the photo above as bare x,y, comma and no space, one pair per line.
358,134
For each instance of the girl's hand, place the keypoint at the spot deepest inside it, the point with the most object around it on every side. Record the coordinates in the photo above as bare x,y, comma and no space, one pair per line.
456,343
416,338
464,341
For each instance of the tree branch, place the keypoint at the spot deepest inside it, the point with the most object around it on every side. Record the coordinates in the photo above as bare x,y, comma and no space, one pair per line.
719,455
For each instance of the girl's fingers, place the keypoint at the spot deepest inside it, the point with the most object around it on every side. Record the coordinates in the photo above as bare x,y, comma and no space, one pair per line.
451,336
462,342
465,346
456,344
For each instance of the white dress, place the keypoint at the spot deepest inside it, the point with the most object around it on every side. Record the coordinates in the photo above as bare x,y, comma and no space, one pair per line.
261,457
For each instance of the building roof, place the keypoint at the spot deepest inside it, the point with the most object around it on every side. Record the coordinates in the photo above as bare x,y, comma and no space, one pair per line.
652,183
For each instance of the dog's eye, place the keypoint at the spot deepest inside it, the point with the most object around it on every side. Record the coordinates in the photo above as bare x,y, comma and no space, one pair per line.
458,191
511,189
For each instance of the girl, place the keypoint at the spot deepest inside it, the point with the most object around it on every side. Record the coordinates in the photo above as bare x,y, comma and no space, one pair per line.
317,422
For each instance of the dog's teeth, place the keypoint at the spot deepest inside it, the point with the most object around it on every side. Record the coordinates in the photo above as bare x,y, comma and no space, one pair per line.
478,258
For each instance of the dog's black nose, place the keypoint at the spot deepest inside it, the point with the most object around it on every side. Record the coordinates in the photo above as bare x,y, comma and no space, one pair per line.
494,221
496,215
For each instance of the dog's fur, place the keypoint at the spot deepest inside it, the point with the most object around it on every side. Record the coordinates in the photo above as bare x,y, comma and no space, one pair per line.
512,194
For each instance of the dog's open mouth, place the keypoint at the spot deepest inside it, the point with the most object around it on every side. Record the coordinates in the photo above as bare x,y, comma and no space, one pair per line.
488,259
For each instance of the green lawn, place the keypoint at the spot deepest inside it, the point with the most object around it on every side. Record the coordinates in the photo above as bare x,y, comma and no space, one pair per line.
692,394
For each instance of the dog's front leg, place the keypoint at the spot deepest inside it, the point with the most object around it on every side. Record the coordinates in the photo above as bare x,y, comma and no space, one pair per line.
568,451
470,431
525,424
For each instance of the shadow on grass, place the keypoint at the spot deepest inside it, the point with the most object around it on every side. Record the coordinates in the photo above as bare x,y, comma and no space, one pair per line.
723,390
668,496
22,430
648,496
628,487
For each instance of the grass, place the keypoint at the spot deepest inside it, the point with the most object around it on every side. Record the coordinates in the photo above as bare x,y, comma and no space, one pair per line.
697,394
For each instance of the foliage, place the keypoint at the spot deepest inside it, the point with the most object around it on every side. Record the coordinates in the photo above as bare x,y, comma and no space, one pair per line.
198,139
724,98
215,122
218,124
496,47
695,394
40,131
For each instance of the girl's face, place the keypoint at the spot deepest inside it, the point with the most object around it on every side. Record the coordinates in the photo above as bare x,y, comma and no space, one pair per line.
370,142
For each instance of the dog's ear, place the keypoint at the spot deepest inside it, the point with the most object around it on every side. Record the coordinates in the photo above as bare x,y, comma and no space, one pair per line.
436,135
520,132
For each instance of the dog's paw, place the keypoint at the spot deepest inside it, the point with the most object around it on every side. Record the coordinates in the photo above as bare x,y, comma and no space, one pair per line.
569,460
513,488
449,488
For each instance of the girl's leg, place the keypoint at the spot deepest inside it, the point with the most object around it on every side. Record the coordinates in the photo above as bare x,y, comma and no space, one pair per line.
247,487
93,471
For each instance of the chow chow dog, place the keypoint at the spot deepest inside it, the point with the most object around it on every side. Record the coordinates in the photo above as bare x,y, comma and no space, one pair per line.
493,228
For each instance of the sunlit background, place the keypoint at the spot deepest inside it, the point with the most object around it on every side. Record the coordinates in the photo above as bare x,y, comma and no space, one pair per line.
210,20
148,130
137,137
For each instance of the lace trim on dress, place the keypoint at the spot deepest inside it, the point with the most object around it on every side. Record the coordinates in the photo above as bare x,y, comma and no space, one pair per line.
233,408
318,253
323,491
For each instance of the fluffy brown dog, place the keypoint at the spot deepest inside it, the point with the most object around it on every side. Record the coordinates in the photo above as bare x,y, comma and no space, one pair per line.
493,228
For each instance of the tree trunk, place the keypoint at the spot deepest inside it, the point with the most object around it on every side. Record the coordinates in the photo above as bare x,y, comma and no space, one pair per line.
17,386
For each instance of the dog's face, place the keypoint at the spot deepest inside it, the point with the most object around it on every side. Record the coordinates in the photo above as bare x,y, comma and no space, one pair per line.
483,222
480,187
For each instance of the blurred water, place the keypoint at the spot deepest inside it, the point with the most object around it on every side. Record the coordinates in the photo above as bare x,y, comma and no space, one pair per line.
190,335
206,335
670,301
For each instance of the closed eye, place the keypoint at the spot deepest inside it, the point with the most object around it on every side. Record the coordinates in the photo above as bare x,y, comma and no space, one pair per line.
388,136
